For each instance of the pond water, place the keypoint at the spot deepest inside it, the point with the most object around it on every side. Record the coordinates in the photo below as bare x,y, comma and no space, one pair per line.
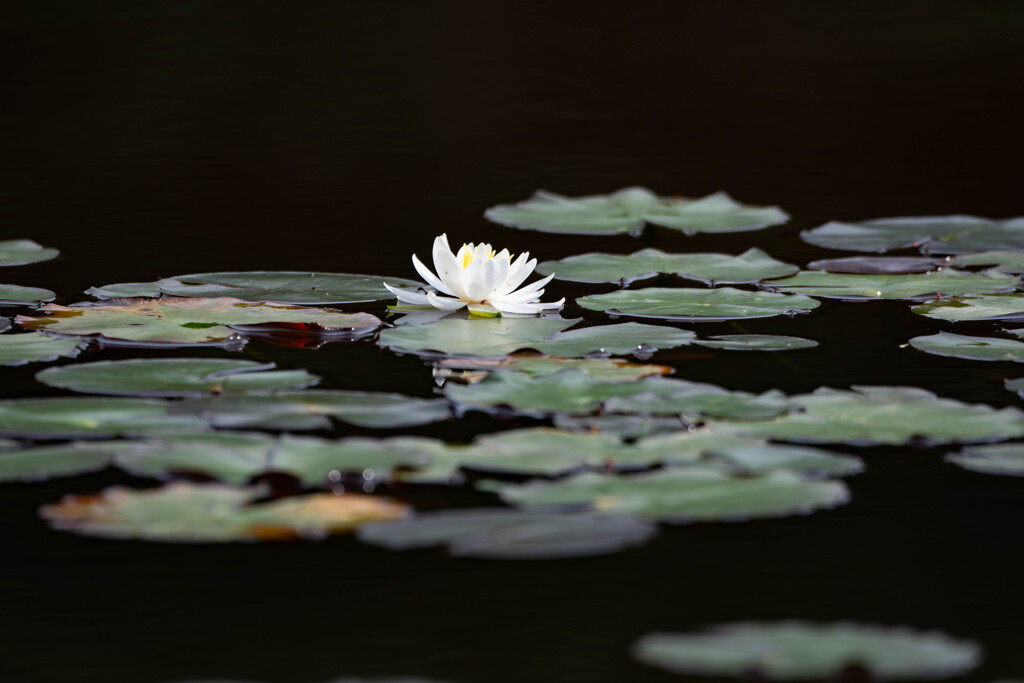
146,141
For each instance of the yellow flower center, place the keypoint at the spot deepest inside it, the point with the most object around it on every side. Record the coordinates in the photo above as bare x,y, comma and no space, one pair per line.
467,255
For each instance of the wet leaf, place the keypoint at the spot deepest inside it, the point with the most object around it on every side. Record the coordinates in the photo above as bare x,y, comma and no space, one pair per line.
622,426
936,234
34,347
189,513
913,286
878,265
971,348
697,305
1002,459
309,409
91,417
15,294
765,457
884,415
174,377
47,462
756,342
793,650
1006,261
991,307
5,323
603,369
1016,385
126,290
684,495
628,209
22,252
750,266
288,287
180,321
502,534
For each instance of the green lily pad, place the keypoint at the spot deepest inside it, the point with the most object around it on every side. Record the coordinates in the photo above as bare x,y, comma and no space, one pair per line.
684,495
501,534
765,457
501,336
991,307
1006,261
971,348
15,294
750,266
623,426
696,305
180,321
5,324
237,458
756,342
34,347
48,462
884,415
309,409
1002,459
938,234
126,290
628,209
603,369
793,650
878,265
912,286
23,252
285,287
190,513
540,451
573,391
91,417
174,377
1016,385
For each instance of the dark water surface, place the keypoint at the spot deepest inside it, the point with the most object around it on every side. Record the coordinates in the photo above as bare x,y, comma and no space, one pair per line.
152,139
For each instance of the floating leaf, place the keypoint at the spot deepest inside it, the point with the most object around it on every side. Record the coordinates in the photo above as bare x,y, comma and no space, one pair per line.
501,534
628,209
884,415
307,409
765,457
126,290
5,323
174,377
286,287
237,458
913,286
1003,459
939,234
992,307
33,347
91,417
684,495
696,305
1006,261
181,321
573,391
971,348
15,294
603,369
22,252
622,426
878,265
46,462
750,266
1016,385
189,513
756,342
793,650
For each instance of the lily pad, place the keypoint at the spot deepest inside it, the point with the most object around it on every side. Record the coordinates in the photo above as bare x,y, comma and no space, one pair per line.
971,348
698,305
884,415
5,324
286,287
756,342
991,307
1016,385
174,377
913,286
91,417
750,266
793,650
684,495
309,409
1006,261
15,294
126,290
180,321
628,209
47,462
502,534
573,391
190,513
23,252
765,457
1002,459
540,451
623,426
938,234
33,347
878,265
237,458
603,369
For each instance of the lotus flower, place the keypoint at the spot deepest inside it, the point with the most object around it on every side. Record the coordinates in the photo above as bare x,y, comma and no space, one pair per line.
480,279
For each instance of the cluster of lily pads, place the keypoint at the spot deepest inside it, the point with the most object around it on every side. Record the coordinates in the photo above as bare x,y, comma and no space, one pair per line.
624,447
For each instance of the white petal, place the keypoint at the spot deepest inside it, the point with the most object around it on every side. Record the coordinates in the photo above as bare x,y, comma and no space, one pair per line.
408,296
472,278
485,281
518,271
523,309
503,263
448,268
522,297
444,303
427,275
533,287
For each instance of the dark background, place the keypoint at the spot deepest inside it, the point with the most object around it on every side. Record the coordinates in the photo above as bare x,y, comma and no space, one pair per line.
150,139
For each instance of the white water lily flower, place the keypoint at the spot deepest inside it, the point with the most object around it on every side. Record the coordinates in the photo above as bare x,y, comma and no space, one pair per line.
480,279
